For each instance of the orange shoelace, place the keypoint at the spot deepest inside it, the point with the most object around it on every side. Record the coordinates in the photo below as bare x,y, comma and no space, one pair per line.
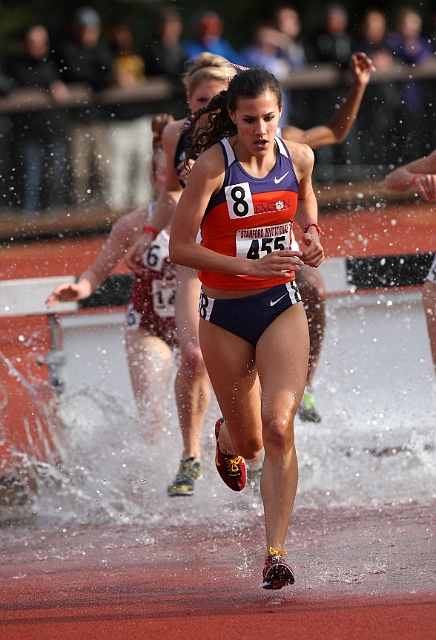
277,552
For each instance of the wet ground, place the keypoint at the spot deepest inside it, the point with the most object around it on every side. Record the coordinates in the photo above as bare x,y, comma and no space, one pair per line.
102,552
359,574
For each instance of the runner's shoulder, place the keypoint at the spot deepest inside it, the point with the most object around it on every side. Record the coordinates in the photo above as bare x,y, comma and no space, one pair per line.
302,155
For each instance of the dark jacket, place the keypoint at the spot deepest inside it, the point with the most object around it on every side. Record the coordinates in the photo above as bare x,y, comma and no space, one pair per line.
91,66
43,126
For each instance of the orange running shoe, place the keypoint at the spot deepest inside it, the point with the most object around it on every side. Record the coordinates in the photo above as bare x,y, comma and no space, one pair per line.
231,468
276,572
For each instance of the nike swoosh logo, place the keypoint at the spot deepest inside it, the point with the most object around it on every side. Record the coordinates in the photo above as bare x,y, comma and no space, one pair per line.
278,180
273,302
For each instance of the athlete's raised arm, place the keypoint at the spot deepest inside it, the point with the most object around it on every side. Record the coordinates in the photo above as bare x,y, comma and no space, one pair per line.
339,127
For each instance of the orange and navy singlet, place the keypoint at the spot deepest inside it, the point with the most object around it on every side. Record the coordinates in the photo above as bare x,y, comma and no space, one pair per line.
151,304
250,217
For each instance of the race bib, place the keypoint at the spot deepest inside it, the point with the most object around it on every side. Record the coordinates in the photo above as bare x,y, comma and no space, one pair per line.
258,242
239,201
133,317
155,255
164,296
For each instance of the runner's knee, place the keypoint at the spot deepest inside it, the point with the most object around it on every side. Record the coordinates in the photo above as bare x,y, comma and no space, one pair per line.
192,360
248,447
278,432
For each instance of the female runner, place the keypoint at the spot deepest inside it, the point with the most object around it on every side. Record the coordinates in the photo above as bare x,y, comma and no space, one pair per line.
245,191
207,75
150,331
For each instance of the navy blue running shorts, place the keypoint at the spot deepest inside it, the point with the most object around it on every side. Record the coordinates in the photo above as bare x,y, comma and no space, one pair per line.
249,317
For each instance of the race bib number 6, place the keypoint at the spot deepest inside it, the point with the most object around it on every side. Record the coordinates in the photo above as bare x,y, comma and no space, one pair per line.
257,243
155,255
239,201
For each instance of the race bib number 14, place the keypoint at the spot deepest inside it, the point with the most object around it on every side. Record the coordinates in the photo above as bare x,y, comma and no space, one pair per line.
257,243
164,295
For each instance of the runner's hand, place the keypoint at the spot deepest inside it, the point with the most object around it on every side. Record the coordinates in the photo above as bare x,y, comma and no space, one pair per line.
313,255
426,185
277,263
137,250
185,171
67,292
361,67
158,123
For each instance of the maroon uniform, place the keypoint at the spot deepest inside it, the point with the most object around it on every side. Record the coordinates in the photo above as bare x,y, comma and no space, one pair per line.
151,304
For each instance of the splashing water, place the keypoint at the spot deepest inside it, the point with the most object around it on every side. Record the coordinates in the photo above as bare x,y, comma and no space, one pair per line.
116,467
375,446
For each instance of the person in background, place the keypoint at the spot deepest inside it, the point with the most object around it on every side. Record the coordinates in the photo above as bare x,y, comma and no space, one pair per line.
299,49
206,75
410,48
129,125
268,50
164,55
299,52
378,116
208,29
333,44
150,332
40,150
420,175
84,58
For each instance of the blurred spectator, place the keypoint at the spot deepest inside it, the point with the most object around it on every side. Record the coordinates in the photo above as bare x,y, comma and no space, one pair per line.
208,27
265,53
84,58
39,136
299,52
332,43
378,114
299,49
411,48
130,137
165,54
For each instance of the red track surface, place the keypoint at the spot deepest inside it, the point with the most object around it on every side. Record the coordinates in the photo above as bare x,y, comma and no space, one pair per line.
366,575
359,576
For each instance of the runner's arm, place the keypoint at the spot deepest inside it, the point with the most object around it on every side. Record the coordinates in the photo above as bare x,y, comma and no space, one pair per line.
419,174
340,126
167,199
121,236
306,214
